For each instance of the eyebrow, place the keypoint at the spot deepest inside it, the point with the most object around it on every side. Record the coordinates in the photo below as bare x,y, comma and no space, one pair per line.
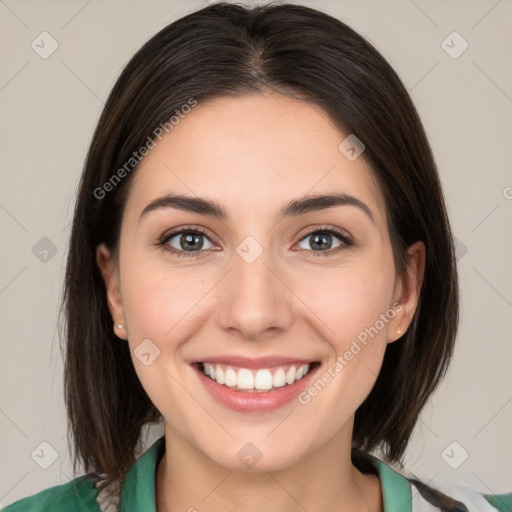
294,208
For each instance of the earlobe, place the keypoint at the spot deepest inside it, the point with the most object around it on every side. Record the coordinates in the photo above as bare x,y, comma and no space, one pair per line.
410,286
110,274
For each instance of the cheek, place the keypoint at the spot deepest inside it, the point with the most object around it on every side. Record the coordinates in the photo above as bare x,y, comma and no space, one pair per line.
156,299
352,309
349,300
163,305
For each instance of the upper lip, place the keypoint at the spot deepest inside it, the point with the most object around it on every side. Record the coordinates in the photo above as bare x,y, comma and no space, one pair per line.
258,362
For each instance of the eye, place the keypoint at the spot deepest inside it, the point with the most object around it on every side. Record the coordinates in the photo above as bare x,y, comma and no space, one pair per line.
184,241
323,238
189,242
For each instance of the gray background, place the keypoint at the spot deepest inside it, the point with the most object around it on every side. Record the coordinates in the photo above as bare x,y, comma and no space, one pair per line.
49,108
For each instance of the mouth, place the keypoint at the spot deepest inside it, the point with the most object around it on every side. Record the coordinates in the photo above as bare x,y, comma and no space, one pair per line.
255,385
252,380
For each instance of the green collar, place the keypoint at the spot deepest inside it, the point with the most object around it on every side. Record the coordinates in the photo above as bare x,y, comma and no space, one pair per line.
396,489
139,488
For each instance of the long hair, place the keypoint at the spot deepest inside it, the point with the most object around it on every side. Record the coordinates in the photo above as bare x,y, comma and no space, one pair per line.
230,50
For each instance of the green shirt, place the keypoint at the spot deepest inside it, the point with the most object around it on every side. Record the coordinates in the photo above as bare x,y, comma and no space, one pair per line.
138,494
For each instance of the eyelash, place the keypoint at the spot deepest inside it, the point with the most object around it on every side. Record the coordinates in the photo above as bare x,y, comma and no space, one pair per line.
164,239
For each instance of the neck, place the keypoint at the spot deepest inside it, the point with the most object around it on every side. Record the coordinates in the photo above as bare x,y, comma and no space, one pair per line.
322,481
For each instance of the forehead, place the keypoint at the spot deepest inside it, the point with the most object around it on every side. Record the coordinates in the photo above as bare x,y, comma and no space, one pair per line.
253,153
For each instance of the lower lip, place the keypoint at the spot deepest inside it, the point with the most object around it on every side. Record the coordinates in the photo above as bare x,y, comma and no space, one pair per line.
243,401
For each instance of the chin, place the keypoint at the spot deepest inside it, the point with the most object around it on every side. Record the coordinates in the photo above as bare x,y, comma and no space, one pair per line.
254,457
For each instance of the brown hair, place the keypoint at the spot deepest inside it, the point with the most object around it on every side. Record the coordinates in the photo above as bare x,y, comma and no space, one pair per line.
227,49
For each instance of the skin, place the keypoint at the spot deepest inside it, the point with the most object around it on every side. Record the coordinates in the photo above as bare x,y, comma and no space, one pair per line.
253,154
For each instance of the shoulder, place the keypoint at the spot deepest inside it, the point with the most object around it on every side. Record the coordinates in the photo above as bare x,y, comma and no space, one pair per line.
78,495
457,497
474,500
96,493
407,493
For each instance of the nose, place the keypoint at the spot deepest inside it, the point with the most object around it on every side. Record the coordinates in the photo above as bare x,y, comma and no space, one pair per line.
254,299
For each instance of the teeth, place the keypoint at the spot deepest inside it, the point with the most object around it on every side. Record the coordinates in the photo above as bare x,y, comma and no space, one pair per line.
263,380
250,380
279,378
230,377
220,376
290,375
244,380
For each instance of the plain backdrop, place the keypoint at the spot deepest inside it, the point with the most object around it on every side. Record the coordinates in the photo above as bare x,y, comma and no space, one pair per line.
50,104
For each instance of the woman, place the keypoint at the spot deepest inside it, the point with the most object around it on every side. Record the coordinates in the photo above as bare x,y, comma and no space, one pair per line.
235,144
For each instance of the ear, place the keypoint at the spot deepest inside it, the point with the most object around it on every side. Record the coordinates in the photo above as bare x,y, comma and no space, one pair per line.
407,291
110,274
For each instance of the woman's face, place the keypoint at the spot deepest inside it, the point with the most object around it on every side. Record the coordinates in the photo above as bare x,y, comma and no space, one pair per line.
262,291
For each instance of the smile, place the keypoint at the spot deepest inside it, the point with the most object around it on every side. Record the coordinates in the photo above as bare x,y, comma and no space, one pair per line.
256,381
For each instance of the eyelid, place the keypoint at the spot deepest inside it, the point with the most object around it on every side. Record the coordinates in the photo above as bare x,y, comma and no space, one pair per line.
326,228
340,233
186,229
